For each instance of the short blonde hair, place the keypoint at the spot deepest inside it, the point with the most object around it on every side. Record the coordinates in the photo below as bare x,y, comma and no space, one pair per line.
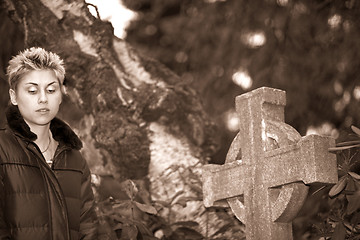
34,58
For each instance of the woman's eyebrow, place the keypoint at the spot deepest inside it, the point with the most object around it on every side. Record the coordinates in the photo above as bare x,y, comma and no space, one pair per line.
32,83
52,83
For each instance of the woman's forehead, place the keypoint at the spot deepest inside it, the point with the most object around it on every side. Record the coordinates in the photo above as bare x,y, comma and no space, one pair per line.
38,77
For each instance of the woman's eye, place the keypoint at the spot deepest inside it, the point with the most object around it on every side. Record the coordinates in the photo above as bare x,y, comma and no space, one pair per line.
51,90
32,91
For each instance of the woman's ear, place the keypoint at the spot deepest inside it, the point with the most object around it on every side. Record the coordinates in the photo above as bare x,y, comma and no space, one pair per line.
63,90
12,94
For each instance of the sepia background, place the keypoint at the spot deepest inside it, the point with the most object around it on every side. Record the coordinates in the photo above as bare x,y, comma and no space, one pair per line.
185,63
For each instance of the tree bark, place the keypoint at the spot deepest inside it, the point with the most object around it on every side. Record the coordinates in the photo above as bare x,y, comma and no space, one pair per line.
114,92
138,119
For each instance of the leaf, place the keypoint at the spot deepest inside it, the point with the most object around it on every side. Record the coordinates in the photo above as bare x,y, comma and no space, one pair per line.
120,219
163,203
129,232
146,208
350,186
176,195
333,149
339,232
143,229
109,186
353,202
184,200
124,204
181,201
223,229
149,238
338,187
355,130
125,208
355,220
143,193
186,224
318,190
348,143
354,175
186,234
130,188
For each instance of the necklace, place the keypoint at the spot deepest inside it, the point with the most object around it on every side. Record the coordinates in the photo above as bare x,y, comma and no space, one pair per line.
47,148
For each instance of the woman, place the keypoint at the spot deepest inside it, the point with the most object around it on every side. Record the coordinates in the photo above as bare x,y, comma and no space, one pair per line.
45,187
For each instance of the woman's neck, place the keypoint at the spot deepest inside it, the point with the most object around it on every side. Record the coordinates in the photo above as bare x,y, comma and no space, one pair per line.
42,132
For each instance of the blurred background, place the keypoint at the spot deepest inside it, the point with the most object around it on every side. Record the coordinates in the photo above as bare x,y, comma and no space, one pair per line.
224,48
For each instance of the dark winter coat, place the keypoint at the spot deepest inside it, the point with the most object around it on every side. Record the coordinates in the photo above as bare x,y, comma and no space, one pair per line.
39,202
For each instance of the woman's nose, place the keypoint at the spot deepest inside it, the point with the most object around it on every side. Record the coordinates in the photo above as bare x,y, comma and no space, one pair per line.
43,97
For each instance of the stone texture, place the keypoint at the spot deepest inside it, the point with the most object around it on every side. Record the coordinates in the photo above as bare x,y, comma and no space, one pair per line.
267,166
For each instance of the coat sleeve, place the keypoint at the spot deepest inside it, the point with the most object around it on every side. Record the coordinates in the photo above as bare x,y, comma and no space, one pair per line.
88,217
4,230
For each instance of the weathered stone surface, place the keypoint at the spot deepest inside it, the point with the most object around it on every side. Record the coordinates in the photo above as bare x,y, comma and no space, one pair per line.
266,167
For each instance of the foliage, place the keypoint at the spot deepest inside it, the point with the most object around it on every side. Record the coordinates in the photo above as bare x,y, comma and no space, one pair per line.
343,219
133,216
136,217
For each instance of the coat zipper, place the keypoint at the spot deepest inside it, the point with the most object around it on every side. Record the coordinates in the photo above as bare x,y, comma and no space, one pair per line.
32,148
62,198
59,150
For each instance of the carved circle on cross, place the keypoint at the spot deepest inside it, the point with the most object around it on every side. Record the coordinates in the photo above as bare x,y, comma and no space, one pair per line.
278,134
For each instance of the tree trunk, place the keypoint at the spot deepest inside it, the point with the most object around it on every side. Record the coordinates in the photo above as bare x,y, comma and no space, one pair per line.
137,118
114,91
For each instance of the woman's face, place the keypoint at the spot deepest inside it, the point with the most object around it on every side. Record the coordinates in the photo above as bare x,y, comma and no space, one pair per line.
38,97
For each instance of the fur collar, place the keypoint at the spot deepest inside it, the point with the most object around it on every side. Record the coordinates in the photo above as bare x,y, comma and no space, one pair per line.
60,130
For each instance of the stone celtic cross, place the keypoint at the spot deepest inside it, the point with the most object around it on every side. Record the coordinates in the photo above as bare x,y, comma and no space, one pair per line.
267,166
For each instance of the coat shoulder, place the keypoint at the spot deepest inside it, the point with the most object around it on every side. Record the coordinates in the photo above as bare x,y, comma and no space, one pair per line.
12,149
7,138
71,160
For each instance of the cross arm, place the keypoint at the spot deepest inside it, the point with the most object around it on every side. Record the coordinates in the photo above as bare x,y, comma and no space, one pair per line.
224,181
309,161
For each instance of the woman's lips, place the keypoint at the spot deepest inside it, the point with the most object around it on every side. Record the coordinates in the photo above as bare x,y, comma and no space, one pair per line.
43,110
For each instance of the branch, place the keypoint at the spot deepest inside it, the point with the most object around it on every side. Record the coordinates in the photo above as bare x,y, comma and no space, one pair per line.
96,9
